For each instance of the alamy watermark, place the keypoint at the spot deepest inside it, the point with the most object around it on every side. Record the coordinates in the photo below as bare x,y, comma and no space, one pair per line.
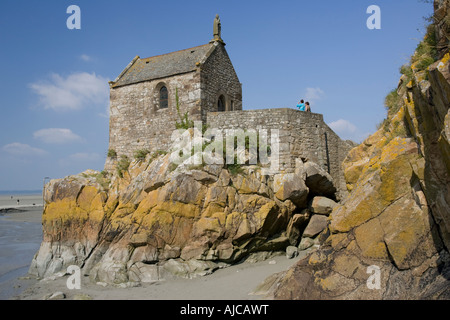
74,281
197,146
74,20
374,280
374,21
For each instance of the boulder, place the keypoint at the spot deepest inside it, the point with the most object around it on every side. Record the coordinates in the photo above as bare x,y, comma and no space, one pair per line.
291,252
141,272
195,250
305,243
315,226
171,252
322,205
276,244
187,269
296,225
290,186
319,181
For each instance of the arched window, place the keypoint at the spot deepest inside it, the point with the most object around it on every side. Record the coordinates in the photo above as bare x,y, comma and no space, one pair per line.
221,104
163,98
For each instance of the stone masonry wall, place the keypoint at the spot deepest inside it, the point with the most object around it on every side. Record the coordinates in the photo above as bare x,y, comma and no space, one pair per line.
218,77
136,122
302,135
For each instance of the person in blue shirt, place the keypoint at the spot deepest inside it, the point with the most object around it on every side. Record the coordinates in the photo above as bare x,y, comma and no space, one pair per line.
301,105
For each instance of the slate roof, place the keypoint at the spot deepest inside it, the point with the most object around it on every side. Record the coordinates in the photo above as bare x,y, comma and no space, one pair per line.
162,66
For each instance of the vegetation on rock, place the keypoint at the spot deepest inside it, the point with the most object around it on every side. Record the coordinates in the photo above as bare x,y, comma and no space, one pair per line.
141,154
112,153
122,165
396,215
185,123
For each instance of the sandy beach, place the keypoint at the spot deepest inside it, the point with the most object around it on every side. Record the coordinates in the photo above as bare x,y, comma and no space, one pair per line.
18,201
237,282
20,238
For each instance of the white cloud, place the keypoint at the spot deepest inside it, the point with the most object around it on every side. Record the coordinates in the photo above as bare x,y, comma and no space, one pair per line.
342,126
20,149
56,136
85,58
348,131
73,92
314,94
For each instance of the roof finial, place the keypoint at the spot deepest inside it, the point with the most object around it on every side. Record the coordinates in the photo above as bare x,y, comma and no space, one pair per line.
217,30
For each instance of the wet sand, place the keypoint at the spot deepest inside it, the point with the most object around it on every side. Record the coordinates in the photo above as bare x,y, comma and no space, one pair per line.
20,238
237,282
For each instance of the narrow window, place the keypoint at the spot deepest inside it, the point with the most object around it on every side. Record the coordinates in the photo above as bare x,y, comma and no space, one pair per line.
163,98
221,104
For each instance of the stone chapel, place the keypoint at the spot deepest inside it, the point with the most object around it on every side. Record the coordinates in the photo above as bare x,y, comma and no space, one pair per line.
143,108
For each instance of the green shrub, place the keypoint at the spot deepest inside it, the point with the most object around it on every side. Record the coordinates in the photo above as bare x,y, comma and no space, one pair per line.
235,169
384,124
103,179
112,153
141,154
184,123
393,102
424,63
408,72
400,130
122,165
426,52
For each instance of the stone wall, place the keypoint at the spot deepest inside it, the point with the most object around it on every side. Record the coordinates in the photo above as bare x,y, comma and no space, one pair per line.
136,122
218,77
302,135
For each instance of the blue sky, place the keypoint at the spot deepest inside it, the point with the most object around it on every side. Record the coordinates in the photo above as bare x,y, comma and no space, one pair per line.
54,91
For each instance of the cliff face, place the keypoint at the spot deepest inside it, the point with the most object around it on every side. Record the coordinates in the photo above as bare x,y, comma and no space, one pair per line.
154,220
396,218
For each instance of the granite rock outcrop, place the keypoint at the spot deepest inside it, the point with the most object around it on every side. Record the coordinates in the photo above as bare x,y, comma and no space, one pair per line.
389,239
156,220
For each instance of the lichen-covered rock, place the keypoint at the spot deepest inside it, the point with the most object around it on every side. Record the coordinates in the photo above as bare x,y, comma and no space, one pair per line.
322,205
125,228
395,219
290,186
